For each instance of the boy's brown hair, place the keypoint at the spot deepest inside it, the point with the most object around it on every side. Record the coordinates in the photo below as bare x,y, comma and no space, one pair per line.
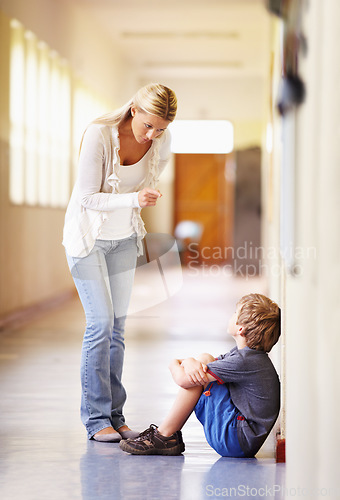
261,319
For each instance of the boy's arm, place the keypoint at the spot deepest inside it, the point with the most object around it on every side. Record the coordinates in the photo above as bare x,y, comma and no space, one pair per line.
189,373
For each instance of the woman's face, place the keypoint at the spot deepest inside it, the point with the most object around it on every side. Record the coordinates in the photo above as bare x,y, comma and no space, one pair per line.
146,127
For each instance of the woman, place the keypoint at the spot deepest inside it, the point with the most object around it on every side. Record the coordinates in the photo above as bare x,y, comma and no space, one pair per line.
121,157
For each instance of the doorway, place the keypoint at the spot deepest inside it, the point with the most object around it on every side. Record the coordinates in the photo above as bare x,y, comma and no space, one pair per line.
204,193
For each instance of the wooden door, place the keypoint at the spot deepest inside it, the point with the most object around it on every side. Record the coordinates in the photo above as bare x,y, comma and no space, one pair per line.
204,192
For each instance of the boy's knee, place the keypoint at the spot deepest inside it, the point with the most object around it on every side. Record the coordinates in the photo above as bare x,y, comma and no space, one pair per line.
205,358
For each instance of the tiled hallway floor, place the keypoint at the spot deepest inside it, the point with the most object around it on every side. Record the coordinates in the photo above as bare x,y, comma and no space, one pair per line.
44,453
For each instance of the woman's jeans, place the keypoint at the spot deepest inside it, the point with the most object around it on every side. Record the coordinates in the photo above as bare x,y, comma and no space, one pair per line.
104,281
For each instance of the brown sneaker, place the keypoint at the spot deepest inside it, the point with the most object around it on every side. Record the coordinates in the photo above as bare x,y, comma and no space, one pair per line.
151,442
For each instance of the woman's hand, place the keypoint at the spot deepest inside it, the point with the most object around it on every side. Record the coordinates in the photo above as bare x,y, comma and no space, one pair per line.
147,197
195,371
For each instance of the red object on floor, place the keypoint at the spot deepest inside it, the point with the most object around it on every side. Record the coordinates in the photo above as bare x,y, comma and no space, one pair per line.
281,451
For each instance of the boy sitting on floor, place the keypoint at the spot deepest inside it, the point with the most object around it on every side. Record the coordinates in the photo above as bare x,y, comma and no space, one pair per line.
236,396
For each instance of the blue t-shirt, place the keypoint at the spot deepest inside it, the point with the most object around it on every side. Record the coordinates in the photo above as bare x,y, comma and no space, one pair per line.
255,391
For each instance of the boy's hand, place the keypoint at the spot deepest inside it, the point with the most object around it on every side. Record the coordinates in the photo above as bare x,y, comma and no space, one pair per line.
195,371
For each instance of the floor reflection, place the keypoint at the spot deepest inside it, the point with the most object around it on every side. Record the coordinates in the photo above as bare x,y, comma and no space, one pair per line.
109,473
247,478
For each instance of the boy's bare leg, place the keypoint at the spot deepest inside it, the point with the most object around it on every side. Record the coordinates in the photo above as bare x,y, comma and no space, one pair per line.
181,410
184,404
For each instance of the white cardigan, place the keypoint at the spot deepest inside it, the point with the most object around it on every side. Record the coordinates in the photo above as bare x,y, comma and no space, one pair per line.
96,190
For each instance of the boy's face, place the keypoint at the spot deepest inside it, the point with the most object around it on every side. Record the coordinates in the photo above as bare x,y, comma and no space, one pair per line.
233,327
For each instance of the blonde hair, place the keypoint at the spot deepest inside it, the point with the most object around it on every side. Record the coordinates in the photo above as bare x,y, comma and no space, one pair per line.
154,98
261,320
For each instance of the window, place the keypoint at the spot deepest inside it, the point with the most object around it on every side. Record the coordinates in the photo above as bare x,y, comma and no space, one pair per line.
40,103
45,99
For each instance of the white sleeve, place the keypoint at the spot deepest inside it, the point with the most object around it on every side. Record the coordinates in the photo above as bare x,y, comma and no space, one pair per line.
90,176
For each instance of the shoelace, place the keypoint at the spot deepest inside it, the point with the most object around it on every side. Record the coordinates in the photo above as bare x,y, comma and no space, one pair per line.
148,432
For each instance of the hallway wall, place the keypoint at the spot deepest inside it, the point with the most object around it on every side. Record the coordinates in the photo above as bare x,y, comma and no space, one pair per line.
313,298
308,283
32,260
76,36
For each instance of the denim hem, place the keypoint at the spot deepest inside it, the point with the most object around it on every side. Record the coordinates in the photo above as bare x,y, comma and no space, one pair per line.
120,424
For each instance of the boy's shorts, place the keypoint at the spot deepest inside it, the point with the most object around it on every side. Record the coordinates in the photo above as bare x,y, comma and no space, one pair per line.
218,415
